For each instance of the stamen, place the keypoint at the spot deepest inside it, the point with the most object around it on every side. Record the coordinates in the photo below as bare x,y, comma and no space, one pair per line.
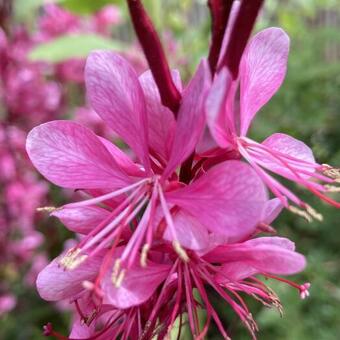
332,188
331,172
311,211
144,254
180,251
47,209
301,213
120,278
72,259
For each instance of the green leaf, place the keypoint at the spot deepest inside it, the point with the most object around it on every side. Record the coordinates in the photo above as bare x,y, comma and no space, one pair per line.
72,46
85,6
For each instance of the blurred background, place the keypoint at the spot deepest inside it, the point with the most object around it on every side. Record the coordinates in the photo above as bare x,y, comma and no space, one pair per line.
43,47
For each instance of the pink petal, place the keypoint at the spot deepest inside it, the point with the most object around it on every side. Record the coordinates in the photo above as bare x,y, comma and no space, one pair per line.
215,107
262,255
56,283
137,287
71,156
292,147
161,120
190,120
262,71
272,209
229,199
190,232
123,160
81,220
115,94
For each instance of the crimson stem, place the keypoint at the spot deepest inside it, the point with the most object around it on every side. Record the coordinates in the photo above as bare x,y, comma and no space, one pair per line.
240,33
220,11
155,55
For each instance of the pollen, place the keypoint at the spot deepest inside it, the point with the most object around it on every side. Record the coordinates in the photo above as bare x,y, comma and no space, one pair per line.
312,212
332,188
301,213
331,172
180,251
72,259
47,209
144,254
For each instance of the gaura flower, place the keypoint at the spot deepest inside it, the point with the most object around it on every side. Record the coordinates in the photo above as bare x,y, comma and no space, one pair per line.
228,199
262,71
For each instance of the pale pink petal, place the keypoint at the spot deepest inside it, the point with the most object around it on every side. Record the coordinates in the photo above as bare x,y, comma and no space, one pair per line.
55,282
115,94
287,145
71,156
262,71
229,199
263,255
123,160
215,107
190,232
191,118
161,121
272,209
137,287
81,220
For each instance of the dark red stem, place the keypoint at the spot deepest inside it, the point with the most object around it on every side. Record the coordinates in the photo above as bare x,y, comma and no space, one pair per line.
220,11
155,55
240,33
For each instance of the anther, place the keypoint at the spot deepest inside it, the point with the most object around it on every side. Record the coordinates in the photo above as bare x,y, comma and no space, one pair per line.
331,172
72,259
47,209
120,278
180,251
331,188
300,212
144,254
312,212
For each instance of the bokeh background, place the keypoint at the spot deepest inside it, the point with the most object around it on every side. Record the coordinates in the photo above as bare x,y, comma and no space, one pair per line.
41,67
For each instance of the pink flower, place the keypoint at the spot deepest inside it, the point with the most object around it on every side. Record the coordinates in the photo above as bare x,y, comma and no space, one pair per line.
71,156
262,70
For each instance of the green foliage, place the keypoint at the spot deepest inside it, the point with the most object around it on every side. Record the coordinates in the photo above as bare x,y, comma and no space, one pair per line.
72,46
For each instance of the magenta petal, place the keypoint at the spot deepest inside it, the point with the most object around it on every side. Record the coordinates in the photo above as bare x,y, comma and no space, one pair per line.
272,209
287,145
81,220
229,199
115,94
215,107
123,160
55,282
161,121
191,118
190,232
262,71
272,255
71,156
137,287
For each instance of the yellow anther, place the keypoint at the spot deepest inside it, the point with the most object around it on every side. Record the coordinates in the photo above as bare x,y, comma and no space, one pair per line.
312,212
180,251
116,269
72,259
300,212
47,209
331,172
332,188
144,254
120,278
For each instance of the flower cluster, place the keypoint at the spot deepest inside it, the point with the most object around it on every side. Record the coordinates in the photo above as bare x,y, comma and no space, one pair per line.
162,226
